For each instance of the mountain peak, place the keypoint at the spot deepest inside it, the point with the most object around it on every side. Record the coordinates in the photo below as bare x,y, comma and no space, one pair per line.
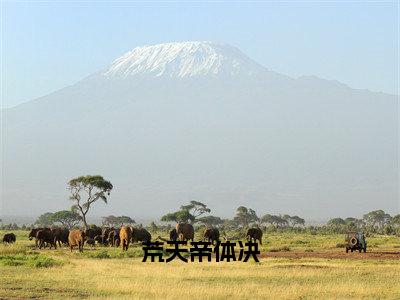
183,59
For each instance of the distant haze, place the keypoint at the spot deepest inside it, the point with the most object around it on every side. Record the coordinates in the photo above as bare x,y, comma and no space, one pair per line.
176,122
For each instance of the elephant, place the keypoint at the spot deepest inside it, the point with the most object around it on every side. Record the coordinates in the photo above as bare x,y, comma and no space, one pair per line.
254,234
185,231
211,235
140,234
76,238
9,238
125,235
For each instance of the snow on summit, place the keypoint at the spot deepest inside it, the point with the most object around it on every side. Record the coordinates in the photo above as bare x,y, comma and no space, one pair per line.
182,60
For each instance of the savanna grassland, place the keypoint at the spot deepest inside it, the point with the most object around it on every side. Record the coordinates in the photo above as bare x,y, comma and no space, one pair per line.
292,266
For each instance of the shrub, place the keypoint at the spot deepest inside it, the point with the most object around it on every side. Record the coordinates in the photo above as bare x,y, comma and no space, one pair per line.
36,261
42,261
100,255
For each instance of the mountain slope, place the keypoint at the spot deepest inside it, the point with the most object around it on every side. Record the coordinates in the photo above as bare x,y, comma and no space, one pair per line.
175,122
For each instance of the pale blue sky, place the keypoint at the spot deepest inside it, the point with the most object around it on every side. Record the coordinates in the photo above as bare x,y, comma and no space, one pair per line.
47,46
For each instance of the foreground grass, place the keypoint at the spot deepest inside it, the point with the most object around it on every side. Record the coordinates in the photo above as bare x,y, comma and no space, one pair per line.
105,272
272,278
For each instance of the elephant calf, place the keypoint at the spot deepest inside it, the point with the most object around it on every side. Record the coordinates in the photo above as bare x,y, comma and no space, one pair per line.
9,238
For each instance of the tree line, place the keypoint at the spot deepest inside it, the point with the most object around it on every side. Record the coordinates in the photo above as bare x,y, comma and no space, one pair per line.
376,222
87,190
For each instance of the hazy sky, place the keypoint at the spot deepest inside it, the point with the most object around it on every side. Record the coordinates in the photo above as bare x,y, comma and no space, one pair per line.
46,46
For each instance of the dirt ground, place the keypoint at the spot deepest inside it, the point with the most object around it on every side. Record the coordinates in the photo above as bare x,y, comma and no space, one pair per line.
334,255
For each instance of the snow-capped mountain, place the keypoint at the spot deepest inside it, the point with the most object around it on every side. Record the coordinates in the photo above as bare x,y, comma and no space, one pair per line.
197,120
183,59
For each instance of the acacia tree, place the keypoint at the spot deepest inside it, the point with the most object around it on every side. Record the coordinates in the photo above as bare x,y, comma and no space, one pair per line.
187,213
336,222
377,218
179,216
196,208
86,190
294,220
396,220
210,221
244,216
67,218
45,220
112,221
278,221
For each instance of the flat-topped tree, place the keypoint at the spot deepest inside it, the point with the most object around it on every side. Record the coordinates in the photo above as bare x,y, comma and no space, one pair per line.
45,220
112,221
210,221
196,208
187,213
244,216
67,218
179,216
377,218
85,190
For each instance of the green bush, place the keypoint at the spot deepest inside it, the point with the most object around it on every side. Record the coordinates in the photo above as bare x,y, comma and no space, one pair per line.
36,261
11,260
100,255
41,261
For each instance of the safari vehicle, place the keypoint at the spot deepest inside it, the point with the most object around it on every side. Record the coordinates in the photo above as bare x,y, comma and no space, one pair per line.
355,241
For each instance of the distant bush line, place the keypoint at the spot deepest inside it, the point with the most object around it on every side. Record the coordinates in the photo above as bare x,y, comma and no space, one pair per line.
87,190
374,222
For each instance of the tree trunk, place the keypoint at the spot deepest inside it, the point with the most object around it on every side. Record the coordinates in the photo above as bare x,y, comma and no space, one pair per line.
84,221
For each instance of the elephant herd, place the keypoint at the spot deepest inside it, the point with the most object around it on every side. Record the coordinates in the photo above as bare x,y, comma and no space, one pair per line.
53,236
117,237
77,237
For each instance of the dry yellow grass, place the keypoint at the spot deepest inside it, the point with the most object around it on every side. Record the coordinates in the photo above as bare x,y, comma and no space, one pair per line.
272,278
82,276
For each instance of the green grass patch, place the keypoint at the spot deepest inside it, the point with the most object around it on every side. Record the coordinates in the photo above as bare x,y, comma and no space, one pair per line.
99,254
34,261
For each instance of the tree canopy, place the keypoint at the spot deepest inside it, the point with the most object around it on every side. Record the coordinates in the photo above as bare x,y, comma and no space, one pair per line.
336,222
294,220
45,220
377,218
196,208
179,216
210,221
396,220
114,221
275,220
86,190
244,216
67,218
187,213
